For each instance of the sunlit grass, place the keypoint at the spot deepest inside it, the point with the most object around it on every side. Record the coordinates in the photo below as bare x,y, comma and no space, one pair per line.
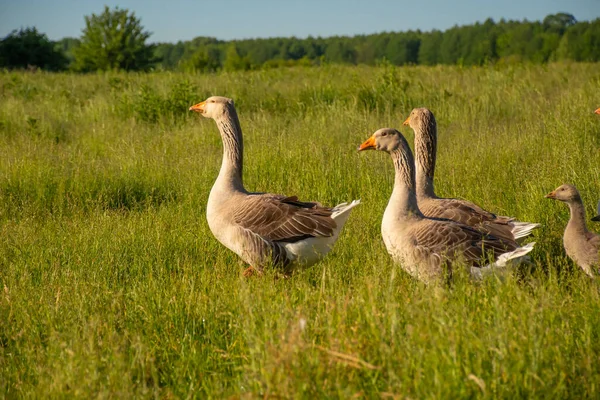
111,284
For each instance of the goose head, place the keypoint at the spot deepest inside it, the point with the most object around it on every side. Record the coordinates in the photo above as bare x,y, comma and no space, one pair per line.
419,118
566,193
384,139
214,107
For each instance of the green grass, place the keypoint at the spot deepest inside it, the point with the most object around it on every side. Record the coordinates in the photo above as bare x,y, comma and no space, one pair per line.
111,284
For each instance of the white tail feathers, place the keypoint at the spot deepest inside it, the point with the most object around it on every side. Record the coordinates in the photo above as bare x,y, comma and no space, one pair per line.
516,254
343,208
514,257
523,229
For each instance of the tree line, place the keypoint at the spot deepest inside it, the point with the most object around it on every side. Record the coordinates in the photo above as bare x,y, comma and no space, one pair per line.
116,40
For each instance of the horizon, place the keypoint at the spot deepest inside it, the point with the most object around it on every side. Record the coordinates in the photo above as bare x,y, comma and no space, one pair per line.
377,16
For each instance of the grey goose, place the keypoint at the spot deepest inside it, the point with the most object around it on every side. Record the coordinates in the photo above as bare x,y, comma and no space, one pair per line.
423,122
424,246
264,228
580,244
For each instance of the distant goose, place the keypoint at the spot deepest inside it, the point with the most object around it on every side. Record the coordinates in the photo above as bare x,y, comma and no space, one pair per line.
422,245
264,228
581,245
422,121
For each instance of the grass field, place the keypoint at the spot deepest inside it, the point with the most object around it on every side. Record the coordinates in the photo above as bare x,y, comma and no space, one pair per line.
112,286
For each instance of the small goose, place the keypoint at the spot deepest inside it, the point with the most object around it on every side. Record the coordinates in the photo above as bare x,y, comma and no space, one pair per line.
263,228
423,245
422,121
581,245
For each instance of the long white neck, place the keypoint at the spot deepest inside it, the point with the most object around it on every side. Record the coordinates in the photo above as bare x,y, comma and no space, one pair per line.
577,220
403,202
230,176
425,153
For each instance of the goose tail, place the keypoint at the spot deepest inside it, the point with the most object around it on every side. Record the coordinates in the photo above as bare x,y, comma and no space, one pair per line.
515,257
343,209
523,229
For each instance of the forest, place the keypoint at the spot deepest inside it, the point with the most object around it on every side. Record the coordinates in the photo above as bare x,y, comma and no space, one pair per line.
558,37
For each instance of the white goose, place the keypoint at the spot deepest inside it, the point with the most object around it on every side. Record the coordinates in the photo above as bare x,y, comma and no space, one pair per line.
422,121
424,246
263,228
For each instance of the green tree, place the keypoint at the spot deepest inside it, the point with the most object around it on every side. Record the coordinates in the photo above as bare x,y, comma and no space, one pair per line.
27,48
66,46
113,40
206,59
581,42
233,60
403,48
429,51
450,47
559,23
339,50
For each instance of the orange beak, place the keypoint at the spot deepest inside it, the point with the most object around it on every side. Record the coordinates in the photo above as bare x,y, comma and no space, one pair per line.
368,144
406,121
551,195
597,111
199,108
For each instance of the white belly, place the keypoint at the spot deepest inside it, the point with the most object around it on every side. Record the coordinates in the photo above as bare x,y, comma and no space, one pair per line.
399,254
224,231
309,251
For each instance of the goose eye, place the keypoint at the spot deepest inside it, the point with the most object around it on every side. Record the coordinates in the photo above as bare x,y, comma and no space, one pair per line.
384,134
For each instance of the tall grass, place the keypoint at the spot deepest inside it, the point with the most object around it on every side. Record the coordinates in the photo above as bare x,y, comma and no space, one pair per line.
111,284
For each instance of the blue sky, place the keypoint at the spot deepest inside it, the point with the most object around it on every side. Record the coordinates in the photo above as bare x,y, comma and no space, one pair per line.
174,20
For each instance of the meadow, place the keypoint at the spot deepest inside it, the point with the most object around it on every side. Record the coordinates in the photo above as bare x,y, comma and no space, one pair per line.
112,286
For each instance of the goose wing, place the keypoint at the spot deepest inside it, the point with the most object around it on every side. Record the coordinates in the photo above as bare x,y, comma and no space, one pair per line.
462,211
470,214
450,240
278,218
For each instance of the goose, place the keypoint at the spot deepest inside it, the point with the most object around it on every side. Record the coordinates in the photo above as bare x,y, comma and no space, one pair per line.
423,123
263,228
423,246
580,244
